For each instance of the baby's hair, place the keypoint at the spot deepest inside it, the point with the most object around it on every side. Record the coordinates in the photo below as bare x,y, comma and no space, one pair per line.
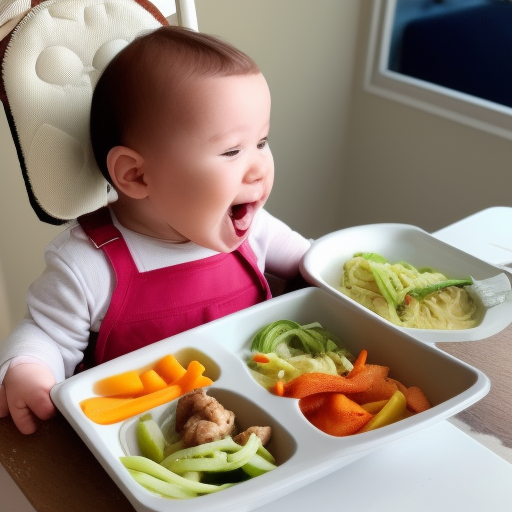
130,93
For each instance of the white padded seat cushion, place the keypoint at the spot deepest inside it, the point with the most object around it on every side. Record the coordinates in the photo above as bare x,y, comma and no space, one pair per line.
51,66
9,9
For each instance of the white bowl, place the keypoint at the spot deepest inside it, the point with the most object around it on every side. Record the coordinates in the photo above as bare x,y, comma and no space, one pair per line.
322,266
303,452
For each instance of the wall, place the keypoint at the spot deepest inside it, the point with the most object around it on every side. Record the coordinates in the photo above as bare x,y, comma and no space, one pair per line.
406,165
307,59
22,236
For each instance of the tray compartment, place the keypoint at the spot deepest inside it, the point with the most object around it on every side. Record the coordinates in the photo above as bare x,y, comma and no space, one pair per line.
306,453
282,445
323,264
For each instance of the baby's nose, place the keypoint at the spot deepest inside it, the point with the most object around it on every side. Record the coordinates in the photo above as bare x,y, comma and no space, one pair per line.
256,171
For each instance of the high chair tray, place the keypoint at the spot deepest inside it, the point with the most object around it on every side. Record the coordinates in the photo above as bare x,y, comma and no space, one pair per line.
303,453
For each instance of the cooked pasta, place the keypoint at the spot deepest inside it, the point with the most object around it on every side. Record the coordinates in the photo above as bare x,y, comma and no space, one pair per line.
406,296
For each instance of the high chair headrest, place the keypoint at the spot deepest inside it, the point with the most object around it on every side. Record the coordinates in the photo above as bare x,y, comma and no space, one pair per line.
51,63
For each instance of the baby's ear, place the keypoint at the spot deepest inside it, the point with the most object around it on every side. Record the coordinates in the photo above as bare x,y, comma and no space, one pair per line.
126,169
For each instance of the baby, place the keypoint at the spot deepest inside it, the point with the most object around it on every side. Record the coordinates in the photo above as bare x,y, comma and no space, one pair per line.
179,127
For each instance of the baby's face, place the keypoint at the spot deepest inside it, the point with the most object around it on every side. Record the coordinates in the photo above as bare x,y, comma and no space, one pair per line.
212,169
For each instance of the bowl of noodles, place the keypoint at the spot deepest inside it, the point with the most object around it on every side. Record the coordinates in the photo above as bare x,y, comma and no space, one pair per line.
402,275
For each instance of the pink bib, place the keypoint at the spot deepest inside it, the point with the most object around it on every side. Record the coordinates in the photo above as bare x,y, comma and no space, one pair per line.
149,306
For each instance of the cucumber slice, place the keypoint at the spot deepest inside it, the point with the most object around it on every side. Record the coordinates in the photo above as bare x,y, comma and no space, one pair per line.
150,439
258,466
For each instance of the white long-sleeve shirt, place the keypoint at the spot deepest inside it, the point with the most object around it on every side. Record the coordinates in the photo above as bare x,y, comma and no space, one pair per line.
72,295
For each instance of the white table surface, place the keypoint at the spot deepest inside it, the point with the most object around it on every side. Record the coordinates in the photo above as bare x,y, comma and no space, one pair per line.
440,469
486,235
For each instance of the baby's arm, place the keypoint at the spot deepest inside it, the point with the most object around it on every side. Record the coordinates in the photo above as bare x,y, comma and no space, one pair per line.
25,393
279,246
63,308
31,364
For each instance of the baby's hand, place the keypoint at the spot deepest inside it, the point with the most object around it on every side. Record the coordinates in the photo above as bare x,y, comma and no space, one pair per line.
25,393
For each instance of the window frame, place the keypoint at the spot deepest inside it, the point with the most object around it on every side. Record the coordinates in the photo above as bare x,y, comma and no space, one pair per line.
460,107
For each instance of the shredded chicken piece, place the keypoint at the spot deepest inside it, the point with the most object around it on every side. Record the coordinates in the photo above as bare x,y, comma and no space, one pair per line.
200,419
263,433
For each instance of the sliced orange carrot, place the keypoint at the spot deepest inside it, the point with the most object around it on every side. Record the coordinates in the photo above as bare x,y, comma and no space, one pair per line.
416,400
100,403
316,382
312,403
152,381
169,368
106,410
380,388
399,385
260,358
360,361
124,384
202,381
188,380
279,388
338,415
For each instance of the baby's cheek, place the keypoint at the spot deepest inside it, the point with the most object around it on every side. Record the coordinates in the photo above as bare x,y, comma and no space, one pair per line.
212,194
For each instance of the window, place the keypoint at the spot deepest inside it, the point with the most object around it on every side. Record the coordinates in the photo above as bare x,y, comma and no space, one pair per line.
417,55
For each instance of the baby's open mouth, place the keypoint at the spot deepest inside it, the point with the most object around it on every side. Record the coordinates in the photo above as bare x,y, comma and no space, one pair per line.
241,216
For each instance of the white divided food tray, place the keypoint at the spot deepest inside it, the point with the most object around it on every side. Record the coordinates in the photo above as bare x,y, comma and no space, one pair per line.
303,453
322,266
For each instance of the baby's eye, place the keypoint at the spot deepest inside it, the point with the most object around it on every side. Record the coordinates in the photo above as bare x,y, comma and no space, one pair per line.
231,152
263,143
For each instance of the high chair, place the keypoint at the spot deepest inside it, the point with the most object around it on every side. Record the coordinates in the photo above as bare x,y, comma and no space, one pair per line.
46,84
53,53
4,309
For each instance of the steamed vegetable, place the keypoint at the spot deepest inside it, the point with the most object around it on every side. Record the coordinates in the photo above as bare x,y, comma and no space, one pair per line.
285,349
157,471
393,289
363,400
150,438
178,470
106,410
174,468
334,413
217,456
311,338
133,392
339,399
421,293
392,411
126,383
